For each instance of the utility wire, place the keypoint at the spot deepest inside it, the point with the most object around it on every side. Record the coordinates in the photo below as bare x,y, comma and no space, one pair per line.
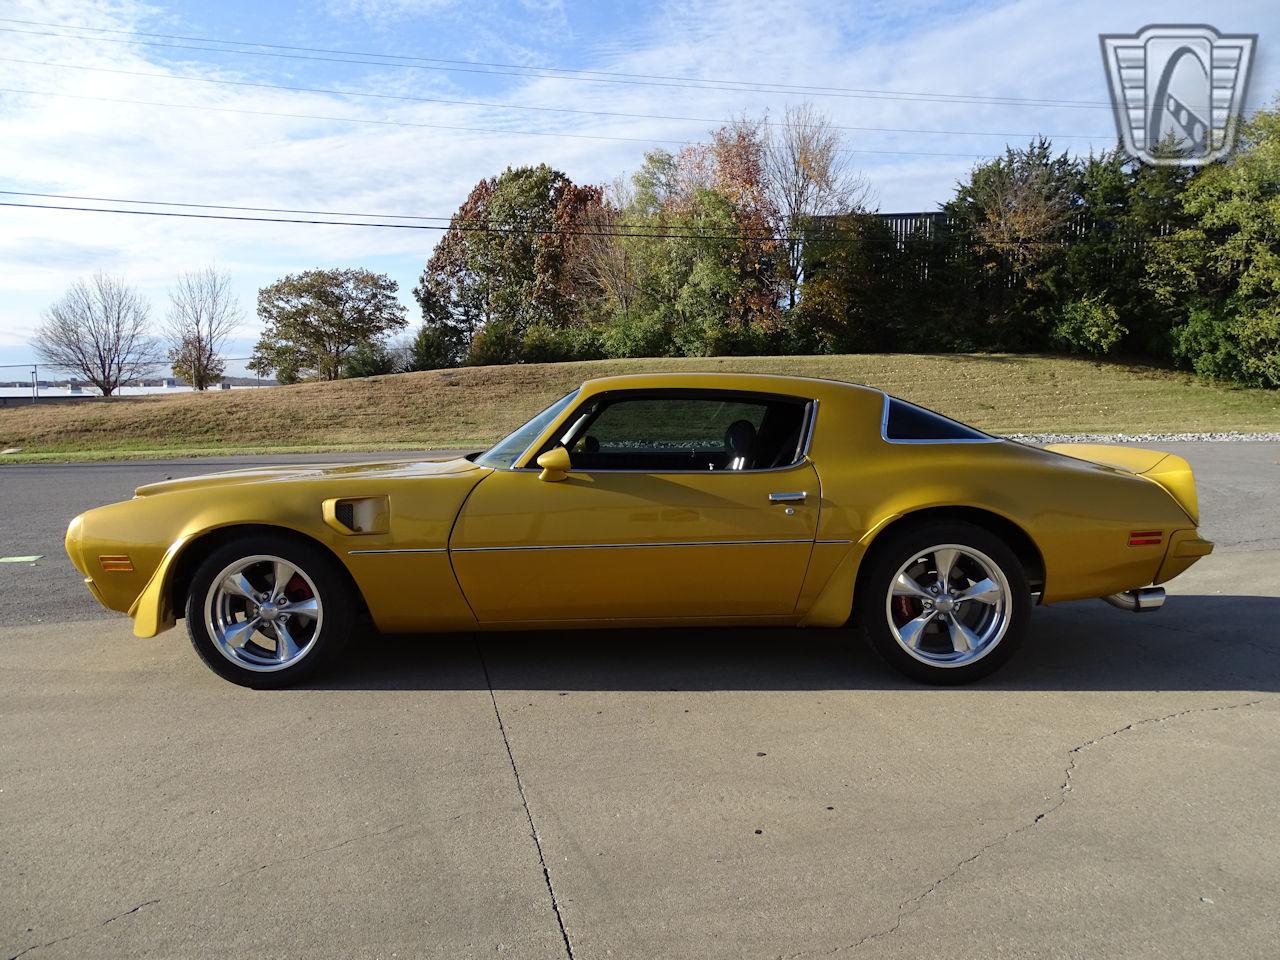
474,221
436,126
364,120
689,84
799,88
530,229
466,227
404,98
623,228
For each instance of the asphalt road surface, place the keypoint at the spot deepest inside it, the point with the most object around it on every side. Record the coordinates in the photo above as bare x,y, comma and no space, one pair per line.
1114,792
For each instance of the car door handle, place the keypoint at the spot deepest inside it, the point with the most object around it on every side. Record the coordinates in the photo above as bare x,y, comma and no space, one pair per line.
797,497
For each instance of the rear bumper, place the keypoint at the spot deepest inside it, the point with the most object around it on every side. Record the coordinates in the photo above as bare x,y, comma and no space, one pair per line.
1185,548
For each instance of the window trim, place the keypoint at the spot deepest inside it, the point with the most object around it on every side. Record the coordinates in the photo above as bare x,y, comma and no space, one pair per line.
525,452
884,427
802,454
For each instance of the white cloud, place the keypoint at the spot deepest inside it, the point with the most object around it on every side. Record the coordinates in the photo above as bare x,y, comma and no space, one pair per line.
1034,48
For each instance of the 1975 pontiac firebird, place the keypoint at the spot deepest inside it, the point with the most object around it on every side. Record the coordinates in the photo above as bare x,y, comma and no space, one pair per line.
674,499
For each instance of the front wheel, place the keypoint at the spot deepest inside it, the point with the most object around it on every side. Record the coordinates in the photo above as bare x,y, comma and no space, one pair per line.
266,611
944,603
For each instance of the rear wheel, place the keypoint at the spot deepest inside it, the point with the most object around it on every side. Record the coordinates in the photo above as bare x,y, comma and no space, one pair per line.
944,603
266,611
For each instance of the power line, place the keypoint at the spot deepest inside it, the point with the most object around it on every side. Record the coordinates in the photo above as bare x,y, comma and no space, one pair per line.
691,83
435,126
327,213
405,98
467,227
799,88
364,120
218,206
506,227
478,221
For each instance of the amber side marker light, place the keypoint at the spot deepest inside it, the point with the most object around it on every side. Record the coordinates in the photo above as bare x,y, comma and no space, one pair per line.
1146,538
116,564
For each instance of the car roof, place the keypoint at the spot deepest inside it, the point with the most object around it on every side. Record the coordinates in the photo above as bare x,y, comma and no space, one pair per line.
749,382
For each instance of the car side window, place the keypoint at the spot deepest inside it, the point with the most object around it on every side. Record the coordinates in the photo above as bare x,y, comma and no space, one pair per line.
686,430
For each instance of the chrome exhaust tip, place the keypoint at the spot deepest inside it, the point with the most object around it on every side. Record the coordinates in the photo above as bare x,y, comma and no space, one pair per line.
1138,601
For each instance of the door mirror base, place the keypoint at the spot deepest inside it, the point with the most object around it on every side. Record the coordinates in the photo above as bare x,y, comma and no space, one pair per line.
555,464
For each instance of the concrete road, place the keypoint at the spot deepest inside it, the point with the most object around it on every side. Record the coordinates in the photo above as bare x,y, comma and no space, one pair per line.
1114,792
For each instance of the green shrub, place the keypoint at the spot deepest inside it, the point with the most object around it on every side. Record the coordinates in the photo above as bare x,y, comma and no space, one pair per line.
636,336
1259,335
544,343
370,359
1207,343
1089,325
432,349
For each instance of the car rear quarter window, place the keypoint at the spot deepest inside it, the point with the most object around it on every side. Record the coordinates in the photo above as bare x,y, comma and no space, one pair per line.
905,423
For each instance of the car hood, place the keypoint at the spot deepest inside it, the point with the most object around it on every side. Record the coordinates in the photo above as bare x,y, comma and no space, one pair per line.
399,470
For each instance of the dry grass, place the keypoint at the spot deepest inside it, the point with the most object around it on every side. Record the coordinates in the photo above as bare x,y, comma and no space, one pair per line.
471,406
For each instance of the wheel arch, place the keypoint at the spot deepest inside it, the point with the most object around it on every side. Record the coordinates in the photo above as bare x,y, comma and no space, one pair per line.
192,553
1011,533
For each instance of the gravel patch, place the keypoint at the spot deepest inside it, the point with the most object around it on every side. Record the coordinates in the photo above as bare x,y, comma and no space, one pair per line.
1230,436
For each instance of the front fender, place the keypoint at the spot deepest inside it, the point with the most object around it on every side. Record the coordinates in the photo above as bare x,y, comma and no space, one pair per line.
152,613
133,552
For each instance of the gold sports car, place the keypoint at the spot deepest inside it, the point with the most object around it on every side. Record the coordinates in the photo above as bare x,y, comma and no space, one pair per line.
673,499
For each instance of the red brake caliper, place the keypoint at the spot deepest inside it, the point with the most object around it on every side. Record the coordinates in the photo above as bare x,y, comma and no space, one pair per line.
296,589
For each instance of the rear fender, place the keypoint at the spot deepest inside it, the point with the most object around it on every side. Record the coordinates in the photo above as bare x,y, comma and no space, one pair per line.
1167,470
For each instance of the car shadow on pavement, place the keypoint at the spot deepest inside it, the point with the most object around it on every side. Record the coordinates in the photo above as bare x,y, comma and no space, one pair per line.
1194,643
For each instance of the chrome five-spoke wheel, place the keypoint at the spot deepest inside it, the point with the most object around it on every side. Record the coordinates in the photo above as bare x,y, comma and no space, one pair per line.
949,605
263,613
944,602
265,610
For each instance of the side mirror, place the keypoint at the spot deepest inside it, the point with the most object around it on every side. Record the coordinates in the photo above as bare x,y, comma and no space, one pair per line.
555,464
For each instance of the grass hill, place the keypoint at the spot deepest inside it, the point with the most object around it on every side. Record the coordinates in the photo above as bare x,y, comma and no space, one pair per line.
472,406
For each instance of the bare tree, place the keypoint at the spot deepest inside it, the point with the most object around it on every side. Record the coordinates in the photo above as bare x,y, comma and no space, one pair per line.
808,176
98,331
202,314
604,262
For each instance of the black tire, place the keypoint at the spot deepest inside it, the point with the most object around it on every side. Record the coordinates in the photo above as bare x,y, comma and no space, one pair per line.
873,607
319,574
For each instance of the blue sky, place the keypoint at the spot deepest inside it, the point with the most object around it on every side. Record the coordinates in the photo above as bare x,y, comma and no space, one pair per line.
398,161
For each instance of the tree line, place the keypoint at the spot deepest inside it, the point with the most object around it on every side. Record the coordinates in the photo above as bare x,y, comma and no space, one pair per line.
320,324
762,241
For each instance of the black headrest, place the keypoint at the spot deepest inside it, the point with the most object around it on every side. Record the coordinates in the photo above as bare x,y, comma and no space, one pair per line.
740,437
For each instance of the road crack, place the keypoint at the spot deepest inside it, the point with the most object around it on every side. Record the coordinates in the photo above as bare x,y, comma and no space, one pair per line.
909,906
235,878
533,829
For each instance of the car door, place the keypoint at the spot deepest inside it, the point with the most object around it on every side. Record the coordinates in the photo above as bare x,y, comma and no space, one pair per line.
661,517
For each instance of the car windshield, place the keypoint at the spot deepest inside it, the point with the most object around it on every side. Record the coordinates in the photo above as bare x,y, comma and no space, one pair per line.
505,452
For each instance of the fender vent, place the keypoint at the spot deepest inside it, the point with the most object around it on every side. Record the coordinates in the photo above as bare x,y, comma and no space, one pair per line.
345,512
357,515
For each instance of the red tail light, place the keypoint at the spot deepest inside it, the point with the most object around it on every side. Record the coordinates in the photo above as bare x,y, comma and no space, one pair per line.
1146,538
